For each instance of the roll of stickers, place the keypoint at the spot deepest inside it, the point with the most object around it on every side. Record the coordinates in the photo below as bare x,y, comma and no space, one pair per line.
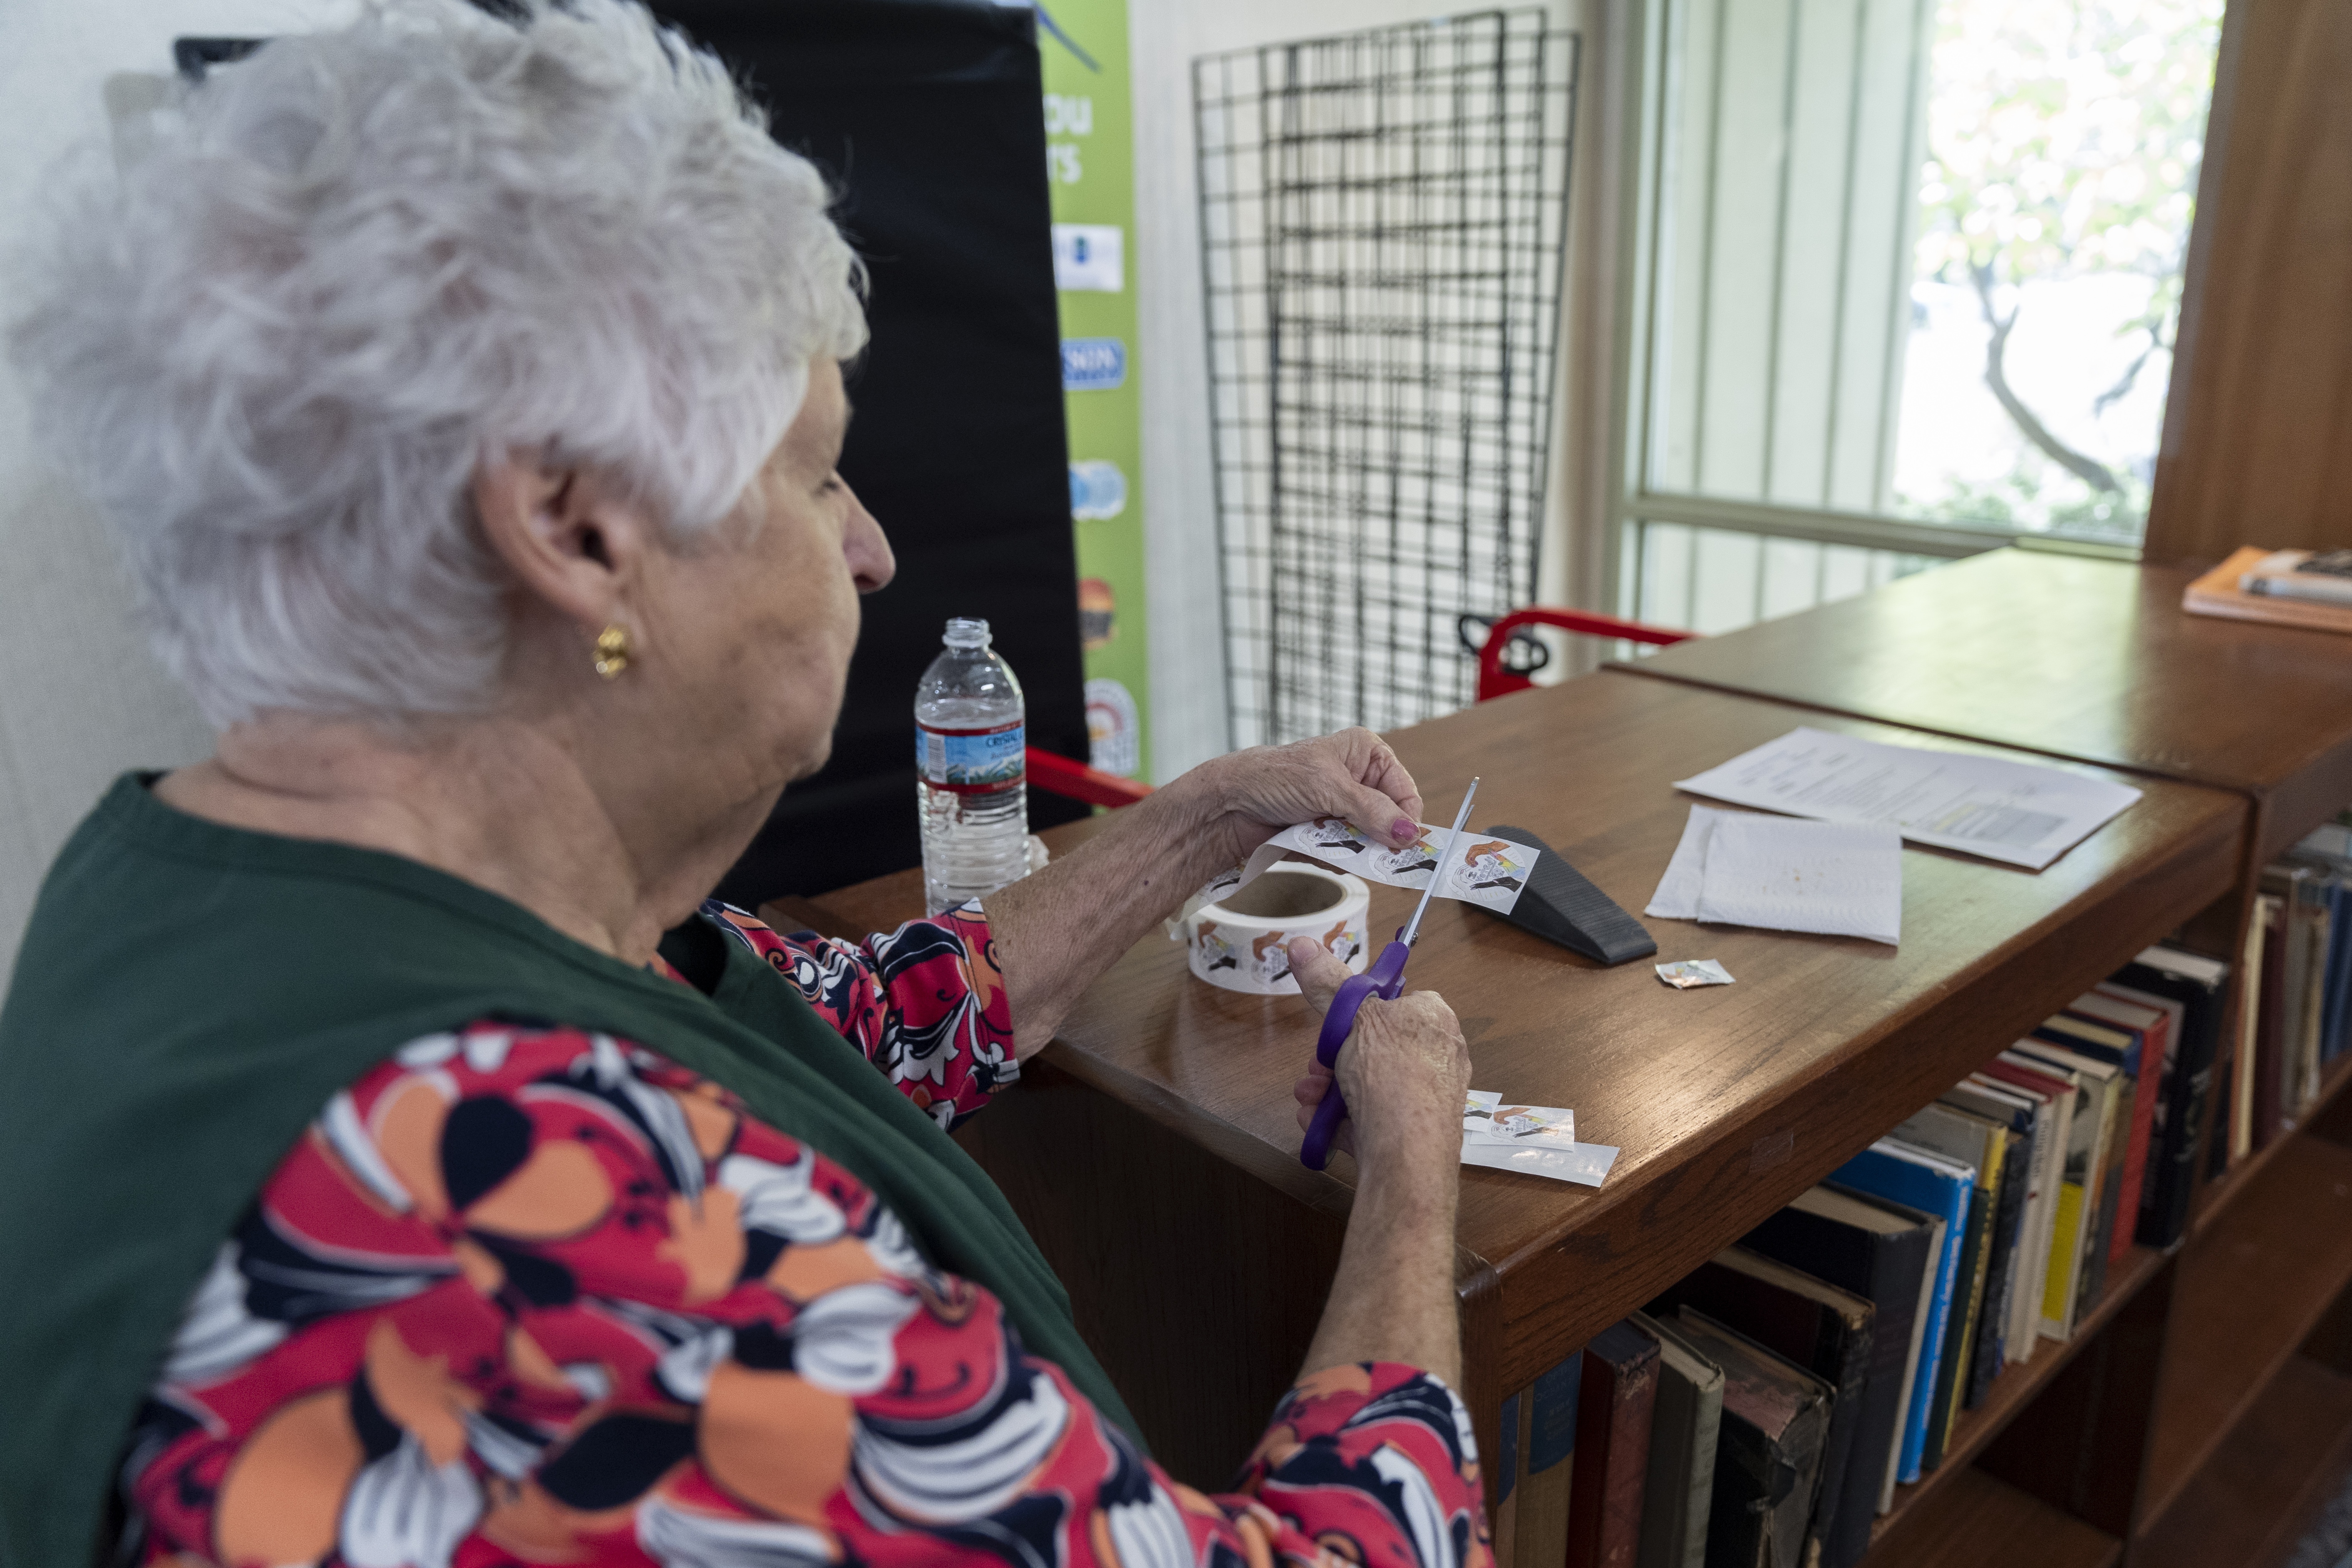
1241,940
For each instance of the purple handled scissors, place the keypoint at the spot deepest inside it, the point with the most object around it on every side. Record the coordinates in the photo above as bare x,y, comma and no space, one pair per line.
1384,979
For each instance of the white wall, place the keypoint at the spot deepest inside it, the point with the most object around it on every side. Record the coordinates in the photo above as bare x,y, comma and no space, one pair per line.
1187,628
80,699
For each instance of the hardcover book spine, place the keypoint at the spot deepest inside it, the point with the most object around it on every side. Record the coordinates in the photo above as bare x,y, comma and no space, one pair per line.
2009,1210
1540,1533
2136,1147
1616,1408
1960,1331
2182,1093
2269,1028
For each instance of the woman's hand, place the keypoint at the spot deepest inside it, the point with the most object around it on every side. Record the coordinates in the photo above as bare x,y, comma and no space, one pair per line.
1258,793
1404,1070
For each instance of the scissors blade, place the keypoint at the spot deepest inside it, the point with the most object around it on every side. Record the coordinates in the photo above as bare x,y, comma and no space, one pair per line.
1413,927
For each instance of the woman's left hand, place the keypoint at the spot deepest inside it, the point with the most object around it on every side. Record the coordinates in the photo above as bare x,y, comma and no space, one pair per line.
1352,774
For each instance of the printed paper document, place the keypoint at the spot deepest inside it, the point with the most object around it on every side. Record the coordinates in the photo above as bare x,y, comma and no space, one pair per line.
2015,812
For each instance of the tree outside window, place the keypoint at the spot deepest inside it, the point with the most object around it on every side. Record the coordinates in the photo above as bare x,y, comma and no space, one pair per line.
2063,143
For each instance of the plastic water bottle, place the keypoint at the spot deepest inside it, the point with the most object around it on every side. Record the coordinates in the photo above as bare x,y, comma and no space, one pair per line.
971,768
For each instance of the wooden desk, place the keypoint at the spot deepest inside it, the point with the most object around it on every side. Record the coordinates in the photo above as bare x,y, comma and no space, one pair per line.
2092,660
1152,1150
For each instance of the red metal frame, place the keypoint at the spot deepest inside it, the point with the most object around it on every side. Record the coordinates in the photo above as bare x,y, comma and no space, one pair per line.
1493,680
1059,775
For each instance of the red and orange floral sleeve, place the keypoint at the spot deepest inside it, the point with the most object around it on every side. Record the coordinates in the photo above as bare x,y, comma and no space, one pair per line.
539,1296
925,1004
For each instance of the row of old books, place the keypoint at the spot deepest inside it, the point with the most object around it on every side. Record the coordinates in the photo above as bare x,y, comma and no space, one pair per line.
1761,1412
2298,958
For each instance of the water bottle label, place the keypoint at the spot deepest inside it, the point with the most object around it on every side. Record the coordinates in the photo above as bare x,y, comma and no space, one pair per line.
971,762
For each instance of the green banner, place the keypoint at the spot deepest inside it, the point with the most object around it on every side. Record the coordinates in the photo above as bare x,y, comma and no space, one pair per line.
1091,167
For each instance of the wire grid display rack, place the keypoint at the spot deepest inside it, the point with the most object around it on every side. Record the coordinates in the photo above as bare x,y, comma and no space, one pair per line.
1381,217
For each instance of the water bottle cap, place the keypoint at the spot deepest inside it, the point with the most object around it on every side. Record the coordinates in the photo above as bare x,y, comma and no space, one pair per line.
967,632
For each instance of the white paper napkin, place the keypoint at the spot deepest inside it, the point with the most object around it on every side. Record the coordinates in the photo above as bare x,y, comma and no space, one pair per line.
1782,873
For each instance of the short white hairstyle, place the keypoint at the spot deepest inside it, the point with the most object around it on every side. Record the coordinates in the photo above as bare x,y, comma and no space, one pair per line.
277,351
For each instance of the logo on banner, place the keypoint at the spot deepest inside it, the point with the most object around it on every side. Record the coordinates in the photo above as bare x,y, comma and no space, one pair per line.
1098,491
1091,256
1114,728
1093,364
1097,614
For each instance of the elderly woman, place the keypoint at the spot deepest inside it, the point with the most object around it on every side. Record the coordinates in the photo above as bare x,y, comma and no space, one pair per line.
401,1163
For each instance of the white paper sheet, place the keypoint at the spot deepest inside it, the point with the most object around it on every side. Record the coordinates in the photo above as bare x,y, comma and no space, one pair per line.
1587,1165
1838,879
2013,811
1780,873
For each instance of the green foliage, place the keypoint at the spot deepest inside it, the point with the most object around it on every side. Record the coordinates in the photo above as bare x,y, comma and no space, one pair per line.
2037,497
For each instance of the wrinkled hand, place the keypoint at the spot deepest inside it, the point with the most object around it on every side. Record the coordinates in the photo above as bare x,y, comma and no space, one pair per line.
1404,1072
1352,774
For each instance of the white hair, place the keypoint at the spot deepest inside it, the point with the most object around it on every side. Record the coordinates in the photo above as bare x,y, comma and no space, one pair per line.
361,263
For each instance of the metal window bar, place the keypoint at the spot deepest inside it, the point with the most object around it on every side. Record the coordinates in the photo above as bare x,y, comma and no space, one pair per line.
1381,215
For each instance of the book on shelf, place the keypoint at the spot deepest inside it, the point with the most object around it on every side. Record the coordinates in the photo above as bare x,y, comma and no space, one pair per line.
1822,1328
1882,1254
2311,1059
2150,1028
2108,1099
2000,1339
1548,1432
2265,1110
1681,1485
2301,887
2039,1223
2308,924
2330,849
1986,1145
1768,1451
1959,1327
1895,1173
2074,1131
2189,988
2118,1033
2243,1048
1615,1410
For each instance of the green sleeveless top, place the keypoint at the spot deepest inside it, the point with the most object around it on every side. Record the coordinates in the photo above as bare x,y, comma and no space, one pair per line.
187,998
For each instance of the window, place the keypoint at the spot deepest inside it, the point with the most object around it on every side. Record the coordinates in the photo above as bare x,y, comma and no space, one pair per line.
1904,284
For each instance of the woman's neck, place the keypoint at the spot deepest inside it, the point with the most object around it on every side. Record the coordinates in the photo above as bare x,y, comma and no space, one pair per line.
506,804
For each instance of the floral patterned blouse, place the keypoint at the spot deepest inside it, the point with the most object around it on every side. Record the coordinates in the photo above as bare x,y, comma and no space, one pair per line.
534,1295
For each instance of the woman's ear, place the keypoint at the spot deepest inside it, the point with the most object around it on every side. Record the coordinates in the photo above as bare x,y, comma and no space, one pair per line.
569,540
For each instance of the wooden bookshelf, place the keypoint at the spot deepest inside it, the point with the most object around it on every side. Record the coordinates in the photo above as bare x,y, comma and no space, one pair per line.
2215,1196
2011,1392
2249,1291
1974,1519
2256,1492
1969,650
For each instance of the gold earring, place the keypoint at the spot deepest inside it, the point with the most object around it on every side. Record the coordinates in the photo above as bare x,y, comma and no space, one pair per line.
612,652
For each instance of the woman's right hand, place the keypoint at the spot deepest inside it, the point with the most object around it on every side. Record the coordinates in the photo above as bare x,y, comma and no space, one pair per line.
1404,1072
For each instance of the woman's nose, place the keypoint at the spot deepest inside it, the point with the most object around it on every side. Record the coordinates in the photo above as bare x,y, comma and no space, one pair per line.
867,548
